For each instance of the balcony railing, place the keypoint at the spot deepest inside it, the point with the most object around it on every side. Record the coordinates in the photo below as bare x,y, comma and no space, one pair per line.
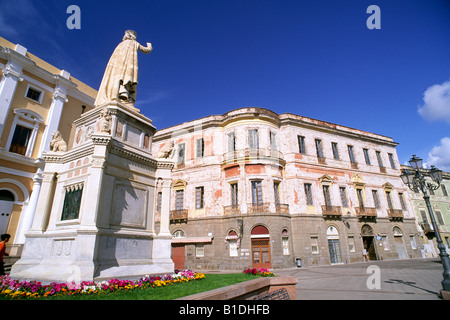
395,214
256,208
233,209
427,228
365,212
180,214
281,208
331,211
252,154
262,207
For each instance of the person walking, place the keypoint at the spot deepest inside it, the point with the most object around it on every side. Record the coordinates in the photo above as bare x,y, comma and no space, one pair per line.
5,238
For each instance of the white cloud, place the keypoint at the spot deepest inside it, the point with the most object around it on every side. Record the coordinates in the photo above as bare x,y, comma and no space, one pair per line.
437,103
439,156
7,29
148,98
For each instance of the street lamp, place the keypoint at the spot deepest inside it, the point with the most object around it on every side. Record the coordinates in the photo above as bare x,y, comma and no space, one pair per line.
415,179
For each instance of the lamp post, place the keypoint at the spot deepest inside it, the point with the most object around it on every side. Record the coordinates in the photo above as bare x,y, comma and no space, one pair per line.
415,179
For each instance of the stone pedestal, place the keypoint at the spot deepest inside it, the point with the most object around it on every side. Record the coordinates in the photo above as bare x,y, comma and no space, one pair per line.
95,217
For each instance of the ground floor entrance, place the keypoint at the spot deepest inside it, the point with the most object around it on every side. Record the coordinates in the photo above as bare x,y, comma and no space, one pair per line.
5,215
261,253
335,250
260,238
369,246
334,246
178,255
242,242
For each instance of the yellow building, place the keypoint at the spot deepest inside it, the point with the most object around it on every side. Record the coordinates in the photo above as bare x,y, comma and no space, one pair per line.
36,99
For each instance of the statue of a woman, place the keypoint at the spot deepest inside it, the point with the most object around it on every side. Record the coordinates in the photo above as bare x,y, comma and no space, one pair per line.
121,74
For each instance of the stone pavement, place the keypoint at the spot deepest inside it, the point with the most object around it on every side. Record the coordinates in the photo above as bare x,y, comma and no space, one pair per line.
409,279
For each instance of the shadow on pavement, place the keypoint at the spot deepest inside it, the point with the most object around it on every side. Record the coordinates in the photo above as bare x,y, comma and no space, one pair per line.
411,284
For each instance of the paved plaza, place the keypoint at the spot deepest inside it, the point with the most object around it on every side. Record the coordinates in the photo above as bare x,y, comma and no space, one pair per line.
411,279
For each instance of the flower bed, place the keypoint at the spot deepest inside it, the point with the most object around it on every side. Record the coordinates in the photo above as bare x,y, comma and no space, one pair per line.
259,272
14,289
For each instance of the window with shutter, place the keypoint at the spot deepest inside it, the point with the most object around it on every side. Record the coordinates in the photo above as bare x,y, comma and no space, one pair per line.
257,193
253,142
200,148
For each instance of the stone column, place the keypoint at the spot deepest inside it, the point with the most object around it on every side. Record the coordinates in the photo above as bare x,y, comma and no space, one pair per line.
44,203
26,219
53,118
165,208
162,248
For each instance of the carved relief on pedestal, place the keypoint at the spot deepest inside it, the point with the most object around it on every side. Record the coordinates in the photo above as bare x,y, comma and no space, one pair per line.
105,121
62,247
119,130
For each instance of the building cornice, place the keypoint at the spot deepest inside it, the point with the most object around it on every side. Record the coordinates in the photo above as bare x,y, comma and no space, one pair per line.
292,119
58,80
269,116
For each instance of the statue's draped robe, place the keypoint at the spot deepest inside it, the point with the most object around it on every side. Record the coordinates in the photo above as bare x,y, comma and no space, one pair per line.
122,69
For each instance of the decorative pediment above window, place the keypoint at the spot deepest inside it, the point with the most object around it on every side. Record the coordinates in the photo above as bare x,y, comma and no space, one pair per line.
358,181
179,185
29,115
388,187
326,179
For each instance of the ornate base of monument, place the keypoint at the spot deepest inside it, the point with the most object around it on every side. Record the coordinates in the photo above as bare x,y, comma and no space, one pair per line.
95,217
61,257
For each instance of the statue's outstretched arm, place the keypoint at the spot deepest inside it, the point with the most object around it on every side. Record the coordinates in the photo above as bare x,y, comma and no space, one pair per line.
147,49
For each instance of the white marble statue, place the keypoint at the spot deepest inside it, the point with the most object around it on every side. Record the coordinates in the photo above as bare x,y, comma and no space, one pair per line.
121,74
166,151
57,144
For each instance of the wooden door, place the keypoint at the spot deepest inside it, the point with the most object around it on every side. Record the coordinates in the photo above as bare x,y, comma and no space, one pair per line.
178,256
261,253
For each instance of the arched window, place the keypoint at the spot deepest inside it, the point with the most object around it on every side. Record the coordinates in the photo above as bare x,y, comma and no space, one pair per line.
233,243
285,241
366,231
260,232
399,244
6,195
178,234
397,232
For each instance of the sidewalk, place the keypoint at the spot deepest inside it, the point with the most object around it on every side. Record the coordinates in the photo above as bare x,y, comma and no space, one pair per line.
409,279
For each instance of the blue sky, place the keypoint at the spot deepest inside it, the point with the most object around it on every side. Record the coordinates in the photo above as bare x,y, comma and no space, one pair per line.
315,58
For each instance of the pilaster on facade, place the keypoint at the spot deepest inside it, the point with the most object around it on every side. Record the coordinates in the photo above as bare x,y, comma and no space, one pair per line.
12,74
54,115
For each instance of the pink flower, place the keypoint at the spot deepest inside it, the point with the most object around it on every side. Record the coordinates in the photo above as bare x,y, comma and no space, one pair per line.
73,286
